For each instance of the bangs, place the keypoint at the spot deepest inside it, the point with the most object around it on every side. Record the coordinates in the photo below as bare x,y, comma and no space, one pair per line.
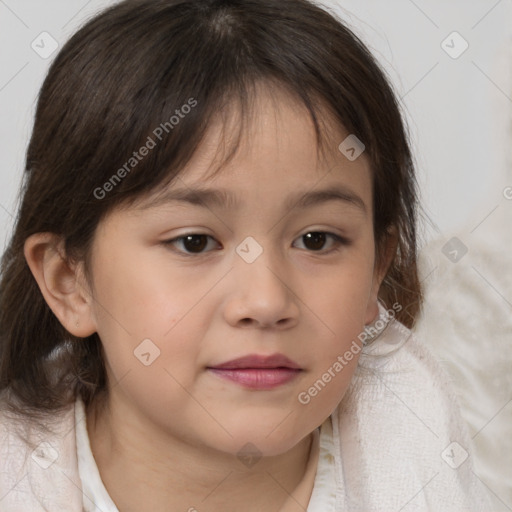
232,115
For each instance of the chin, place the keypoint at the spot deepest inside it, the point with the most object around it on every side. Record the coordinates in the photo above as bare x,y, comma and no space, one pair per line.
256,442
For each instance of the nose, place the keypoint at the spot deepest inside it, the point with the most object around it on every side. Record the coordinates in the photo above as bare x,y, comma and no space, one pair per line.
261,295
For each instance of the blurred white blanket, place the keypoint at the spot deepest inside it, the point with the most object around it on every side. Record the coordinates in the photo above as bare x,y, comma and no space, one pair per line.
467,324
402,444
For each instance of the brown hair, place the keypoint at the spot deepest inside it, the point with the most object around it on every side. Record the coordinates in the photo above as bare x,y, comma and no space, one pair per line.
122,75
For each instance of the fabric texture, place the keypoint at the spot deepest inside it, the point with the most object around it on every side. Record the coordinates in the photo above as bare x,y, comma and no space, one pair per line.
401,443
396,442
469,303
97,499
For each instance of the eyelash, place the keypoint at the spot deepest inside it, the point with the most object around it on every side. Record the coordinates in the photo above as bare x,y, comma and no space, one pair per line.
339,242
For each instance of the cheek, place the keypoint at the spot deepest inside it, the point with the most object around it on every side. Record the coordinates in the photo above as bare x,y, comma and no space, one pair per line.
326,388
147,318
146,296
337,307
337,349
341,295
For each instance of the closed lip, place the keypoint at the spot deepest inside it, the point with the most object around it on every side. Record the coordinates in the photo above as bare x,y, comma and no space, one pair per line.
257,361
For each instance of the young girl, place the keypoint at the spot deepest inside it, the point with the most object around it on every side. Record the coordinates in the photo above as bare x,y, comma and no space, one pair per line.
207,300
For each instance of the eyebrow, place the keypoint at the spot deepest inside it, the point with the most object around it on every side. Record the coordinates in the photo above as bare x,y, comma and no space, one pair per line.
221,198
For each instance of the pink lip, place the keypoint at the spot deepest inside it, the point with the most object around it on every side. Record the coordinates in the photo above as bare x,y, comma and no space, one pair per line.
257,371
259,361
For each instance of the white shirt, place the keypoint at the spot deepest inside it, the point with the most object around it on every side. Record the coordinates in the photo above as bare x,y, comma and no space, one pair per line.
97,499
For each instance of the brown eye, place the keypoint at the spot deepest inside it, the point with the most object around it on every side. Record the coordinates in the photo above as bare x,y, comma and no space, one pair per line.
190,244
195,243
316,241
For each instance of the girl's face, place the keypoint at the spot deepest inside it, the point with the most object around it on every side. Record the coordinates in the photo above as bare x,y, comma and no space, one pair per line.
276,258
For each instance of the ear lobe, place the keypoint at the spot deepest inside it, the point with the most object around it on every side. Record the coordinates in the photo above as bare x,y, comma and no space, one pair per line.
59,283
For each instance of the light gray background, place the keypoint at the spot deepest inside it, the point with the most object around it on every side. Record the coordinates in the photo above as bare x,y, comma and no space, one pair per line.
459,109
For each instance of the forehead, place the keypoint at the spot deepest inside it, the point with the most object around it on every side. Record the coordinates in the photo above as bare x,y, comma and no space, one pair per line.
277,154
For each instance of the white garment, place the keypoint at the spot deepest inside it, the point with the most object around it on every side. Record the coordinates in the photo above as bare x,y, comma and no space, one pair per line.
97,499
399,444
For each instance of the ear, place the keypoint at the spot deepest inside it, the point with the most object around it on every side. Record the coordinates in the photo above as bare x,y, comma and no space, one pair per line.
63,285
388,252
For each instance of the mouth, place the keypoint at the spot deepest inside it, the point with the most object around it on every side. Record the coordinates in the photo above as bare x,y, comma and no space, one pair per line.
258,372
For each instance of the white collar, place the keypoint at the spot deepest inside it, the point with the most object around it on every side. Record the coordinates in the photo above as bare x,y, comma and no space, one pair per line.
97,499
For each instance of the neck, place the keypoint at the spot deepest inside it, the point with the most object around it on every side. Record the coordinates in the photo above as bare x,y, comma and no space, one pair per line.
146,469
